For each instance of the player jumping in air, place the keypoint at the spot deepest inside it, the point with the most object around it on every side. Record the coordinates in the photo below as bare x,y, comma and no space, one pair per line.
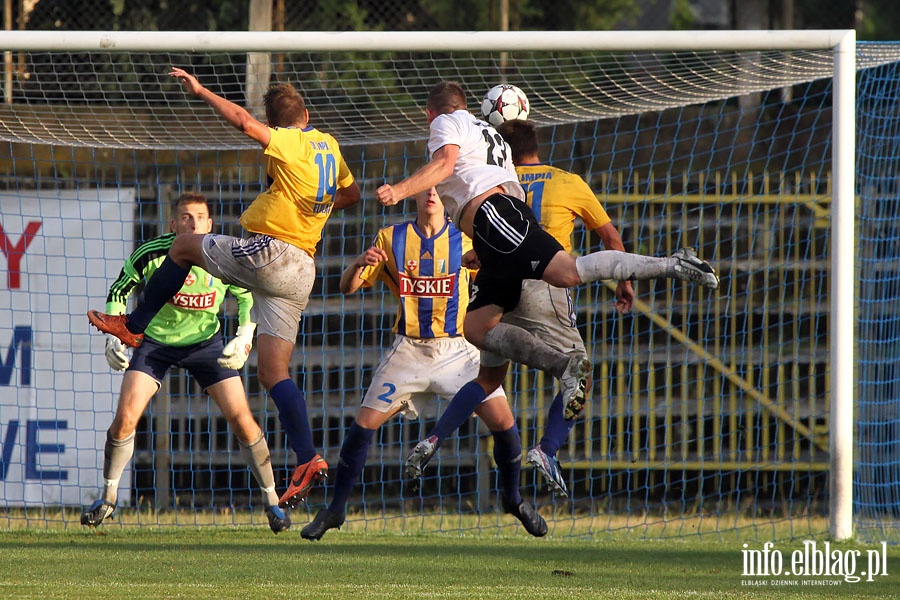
557,198
471,165
309,179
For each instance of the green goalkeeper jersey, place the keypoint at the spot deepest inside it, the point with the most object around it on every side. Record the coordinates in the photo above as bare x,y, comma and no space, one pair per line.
192,315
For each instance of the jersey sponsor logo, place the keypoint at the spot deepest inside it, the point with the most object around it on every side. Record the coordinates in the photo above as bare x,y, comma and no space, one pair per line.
427,287
427,255
441,266
534,265
194,301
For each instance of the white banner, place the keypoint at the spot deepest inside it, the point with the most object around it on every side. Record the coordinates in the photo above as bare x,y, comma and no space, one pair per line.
59,253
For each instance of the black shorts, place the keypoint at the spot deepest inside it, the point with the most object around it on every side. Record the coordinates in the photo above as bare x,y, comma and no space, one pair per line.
156,359
511,247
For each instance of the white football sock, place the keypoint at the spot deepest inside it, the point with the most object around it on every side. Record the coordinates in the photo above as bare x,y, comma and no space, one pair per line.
622,266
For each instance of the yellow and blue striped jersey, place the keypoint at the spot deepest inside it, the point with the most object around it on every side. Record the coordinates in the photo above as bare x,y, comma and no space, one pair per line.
427,275
306,168
557,197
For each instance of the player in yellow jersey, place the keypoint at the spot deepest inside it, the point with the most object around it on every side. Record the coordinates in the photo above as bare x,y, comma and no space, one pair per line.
309,179
422,263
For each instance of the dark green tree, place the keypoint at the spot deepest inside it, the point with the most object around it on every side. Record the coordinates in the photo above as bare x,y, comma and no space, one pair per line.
879,20
139,15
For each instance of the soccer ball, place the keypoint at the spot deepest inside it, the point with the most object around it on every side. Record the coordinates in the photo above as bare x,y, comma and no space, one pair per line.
503,103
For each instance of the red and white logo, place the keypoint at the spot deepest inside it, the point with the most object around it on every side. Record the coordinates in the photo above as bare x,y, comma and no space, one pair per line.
194,301
427,287
411,265
190,279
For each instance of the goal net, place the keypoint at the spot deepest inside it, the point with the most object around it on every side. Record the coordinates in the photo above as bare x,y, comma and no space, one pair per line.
711,412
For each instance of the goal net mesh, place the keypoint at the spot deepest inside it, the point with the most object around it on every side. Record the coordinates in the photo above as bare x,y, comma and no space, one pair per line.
126,100
709,411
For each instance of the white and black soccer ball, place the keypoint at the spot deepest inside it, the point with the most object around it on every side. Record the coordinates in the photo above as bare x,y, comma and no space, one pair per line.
504,102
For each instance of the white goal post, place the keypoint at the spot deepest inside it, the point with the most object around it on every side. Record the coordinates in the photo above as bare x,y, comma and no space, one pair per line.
841,42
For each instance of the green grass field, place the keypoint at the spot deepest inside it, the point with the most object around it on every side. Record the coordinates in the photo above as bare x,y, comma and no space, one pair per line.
245,562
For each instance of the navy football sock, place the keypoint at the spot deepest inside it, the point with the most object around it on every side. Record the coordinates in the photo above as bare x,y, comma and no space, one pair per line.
508,456
292,412
461,408
350,466
165,282
556,429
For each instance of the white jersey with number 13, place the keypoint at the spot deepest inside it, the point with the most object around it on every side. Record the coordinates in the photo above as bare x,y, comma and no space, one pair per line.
485,160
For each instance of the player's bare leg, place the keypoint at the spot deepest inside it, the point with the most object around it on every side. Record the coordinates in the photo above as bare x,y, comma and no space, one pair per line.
229,396
137,389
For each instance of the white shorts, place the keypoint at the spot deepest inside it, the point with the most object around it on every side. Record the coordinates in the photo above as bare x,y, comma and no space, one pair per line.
548,313
279,275
415,369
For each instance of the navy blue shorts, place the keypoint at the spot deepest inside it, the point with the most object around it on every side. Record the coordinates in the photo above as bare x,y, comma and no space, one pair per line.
511,247
156,359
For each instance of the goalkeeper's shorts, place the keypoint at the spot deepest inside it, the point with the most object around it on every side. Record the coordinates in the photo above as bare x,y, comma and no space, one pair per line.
200,360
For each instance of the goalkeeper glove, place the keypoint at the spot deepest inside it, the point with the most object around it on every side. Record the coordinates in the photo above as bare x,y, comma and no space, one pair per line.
237,350
116,354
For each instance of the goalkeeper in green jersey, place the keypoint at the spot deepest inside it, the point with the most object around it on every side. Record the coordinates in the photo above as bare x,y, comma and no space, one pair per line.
185,333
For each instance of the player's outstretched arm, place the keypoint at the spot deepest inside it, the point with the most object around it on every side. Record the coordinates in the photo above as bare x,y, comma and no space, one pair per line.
350,279
427,176
235,115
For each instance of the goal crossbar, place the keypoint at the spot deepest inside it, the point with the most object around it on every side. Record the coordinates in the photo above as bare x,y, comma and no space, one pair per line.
473,41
